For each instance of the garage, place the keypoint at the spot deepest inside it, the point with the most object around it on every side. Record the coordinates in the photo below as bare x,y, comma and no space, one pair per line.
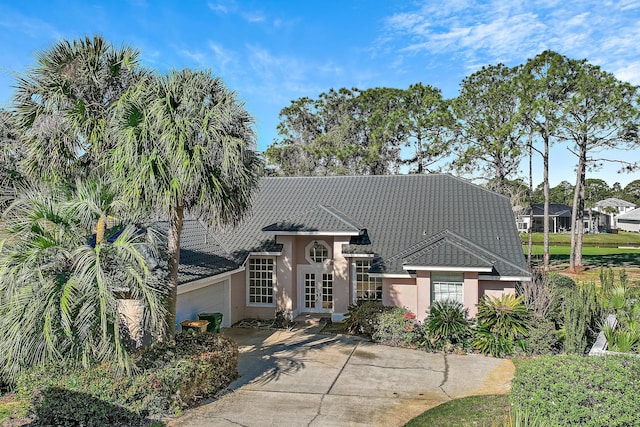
203,296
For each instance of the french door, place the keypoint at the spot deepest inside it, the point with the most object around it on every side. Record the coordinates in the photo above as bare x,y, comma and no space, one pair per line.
315,289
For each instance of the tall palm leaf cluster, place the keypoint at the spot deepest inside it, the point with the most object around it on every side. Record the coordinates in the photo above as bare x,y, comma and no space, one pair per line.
106,141
60,289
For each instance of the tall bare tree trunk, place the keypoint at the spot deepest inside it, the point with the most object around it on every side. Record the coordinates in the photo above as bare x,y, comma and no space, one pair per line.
173,247
546,200
530,230
582,165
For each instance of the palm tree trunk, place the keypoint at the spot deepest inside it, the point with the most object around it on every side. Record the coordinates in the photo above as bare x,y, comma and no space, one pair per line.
173,247
101,227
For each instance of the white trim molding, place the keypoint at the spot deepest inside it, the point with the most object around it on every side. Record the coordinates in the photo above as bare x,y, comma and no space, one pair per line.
358,255
444,268
392,275
505,278
264,254
312,233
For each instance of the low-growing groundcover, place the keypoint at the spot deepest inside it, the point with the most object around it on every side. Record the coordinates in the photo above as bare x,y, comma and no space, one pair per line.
172,377
579,391
486,410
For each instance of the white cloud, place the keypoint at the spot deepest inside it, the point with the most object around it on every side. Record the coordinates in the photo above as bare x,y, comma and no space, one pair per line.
218,7
197,57
483,32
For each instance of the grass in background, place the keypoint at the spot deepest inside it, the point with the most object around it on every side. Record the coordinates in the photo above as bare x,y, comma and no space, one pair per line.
620,239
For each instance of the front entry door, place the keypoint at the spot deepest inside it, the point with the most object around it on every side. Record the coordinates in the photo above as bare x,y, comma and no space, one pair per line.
315,287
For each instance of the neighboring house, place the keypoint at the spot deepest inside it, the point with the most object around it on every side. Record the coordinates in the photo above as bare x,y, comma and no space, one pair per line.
319,244
559,218
629,221
611,208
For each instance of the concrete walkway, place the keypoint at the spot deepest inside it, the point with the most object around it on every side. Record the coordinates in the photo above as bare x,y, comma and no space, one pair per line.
301,378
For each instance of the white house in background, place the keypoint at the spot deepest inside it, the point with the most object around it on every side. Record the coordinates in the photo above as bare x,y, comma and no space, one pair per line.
612,208
559,218
629,221
319,244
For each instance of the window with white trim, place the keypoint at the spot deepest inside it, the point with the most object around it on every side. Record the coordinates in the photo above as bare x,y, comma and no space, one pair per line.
447,286
260,280
367,287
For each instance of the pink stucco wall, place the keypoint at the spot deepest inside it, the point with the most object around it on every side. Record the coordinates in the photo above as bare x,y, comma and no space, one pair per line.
495,288
400,292
470,292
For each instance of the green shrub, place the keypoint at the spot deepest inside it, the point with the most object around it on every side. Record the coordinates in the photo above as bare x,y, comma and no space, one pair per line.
447,324
583,314
561,287
578,391
362,318
172,376
503,324
396,327
543,337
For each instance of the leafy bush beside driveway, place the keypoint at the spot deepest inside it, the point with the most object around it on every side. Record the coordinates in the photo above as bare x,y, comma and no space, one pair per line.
173,376
579,391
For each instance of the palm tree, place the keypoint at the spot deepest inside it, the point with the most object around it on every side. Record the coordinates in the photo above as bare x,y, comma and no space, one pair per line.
60,289
186,144
63,104
10,155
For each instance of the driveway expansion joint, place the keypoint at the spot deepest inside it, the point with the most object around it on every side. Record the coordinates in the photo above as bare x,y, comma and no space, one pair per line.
346,362
446,376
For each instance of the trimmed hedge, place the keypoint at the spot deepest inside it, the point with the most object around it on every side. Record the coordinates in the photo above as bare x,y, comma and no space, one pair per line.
172,376
579,391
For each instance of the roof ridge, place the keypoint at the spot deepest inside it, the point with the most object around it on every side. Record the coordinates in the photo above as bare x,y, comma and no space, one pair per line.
341,216
457,245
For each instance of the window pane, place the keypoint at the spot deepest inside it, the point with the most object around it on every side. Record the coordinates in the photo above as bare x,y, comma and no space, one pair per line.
367,287
261,279
447,286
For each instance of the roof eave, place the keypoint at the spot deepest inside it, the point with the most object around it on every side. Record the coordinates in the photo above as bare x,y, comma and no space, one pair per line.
447,268
311,233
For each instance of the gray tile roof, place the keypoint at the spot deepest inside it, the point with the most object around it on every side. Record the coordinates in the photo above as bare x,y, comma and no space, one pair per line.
614,203
555,209
633,215
318,218
446,219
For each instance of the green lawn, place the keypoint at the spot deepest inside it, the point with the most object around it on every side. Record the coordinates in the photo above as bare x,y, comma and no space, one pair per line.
472,411
592,257
604,239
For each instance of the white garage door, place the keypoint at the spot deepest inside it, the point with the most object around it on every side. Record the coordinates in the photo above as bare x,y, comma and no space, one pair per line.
203,298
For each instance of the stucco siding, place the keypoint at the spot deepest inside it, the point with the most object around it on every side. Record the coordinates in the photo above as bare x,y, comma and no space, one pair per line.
400,293
210,297
470,292
495,288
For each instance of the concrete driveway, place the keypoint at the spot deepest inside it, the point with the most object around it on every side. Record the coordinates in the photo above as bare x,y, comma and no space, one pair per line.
298,378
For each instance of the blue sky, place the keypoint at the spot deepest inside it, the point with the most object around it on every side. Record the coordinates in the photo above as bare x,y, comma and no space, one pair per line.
272,52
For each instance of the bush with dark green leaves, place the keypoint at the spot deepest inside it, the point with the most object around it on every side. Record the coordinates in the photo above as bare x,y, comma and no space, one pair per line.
362,317
561,287
172,376
579,391
543,337
503,324
447,325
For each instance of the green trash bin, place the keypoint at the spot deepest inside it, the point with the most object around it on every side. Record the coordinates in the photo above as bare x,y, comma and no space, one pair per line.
215,321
